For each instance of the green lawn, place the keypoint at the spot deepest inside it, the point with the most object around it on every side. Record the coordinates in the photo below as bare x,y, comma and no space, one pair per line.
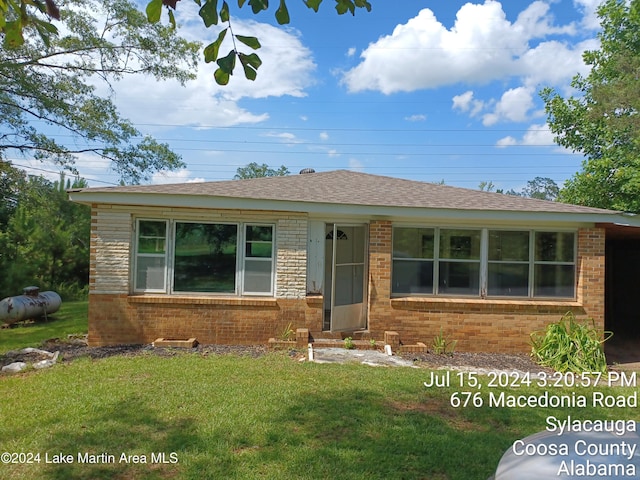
70,319
232,417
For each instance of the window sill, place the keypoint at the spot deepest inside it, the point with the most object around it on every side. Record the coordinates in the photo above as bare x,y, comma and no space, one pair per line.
481,303
203,300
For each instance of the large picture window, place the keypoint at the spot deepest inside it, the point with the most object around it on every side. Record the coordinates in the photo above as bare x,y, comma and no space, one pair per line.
194,257
495,263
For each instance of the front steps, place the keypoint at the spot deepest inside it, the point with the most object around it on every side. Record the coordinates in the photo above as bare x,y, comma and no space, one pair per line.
303,339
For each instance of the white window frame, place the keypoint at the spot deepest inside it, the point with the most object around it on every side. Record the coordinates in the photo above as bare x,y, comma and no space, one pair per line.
484,261
169,257
258,259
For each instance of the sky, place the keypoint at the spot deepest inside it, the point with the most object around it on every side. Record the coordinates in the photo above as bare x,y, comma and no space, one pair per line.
437,91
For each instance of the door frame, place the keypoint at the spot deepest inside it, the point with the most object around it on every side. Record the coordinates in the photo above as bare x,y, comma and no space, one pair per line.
335,312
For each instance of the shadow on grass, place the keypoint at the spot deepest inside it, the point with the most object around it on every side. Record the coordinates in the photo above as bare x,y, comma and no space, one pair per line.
356,434
141,445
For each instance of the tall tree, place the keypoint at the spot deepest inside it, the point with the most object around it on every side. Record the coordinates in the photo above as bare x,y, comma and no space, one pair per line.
46,240
253,170
542,188
47,78
603,123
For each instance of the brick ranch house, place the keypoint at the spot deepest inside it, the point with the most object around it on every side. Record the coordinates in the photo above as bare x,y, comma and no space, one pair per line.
340,252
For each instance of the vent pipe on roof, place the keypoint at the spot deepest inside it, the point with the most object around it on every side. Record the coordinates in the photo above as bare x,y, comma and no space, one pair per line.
307,170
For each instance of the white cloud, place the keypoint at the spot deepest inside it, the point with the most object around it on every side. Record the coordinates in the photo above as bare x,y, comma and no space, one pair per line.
356,165
324,136
287,138
506,142
466,102
536,135
481,46
589,9
416,118
351,52
513,106
287,69
178,176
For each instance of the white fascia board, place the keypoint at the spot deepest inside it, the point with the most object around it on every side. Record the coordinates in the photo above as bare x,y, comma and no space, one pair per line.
337,211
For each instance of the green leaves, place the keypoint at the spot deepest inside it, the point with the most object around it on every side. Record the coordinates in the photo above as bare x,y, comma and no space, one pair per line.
225,70
313,4
209,13
249,41
250,64
344,6
211,50
154,11
282,14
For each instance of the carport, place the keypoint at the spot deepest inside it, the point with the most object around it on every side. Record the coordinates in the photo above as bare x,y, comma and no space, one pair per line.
622,292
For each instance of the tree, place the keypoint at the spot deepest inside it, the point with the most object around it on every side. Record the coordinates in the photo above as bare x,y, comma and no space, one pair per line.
253,170
542,188
47,82
18,15
46,240
211,15
604,122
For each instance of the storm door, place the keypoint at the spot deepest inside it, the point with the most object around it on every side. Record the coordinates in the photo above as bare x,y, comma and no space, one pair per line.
345,277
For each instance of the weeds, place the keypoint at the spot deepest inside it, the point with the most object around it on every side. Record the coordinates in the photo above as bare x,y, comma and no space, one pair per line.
348,343
442,346
288,333
570,346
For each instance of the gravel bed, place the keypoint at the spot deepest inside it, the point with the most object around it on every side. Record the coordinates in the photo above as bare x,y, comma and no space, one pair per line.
480,362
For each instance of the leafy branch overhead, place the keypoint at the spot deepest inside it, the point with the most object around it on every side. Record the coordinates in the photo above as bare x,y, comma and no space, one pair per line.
212,13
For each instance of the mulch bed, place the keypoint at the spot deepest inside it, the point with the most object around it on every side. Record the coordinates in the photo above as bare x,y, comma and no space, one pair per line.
76,348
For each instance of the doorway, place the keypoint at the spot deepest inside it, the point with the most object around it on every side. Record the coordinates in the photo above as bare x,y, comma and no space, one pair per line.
345,277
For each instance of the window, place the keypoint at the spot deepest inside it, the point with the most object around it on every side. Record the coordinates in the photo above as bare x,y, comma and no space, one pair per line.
508,267
413,260
192,257
205,258
554,264
502,263
258,259
151,256
459,262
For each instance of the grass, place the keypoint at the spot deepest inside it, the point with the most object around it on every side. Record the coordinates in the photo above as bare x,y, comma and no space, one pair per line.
241,418
70,319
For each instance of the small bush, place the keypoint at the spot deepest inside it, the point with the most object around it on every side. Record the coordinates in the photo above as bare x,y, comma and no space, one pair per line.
570,346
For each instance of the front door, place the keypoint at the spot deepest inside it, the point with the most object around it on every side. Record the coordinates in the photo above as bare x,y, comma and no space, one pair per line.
345,276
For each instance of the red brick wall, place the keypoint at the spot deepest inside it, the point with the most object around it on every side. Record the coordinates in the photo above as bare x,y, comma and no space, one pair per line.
118,319
477,324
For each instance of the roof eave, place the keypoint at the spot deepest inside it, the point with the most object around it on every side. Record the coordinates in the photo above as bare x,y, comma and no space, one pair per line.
342,210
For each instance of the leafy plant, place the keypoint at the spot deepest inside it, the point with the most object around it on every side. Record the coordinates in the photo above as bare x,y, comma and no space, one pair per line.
442,346
372,342
348,343
570,346
288,333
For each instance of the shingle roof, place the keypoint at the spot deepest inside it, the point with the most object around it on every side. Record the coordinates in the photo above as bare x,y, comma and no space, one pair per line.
354,188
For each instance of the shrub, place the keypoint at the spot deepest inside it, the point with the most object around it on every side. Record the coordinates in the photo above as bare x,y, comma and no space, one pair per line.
570,346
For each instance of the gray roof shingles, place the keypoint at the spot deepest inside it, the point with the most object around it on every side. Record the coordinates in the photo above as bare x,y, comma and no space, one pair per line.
355,188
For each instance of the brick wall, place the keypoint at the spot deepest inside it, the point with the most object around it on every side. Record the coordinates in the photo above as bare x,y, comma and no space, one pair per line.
479,324
115,316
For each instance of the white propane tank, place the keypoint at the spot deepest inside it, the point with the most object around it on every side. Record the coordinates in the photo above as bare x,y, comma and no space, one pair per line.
31,304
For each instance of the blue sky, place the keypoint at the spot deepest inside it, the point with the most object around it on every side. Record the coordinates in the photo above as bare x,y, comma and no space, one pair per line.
425,90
